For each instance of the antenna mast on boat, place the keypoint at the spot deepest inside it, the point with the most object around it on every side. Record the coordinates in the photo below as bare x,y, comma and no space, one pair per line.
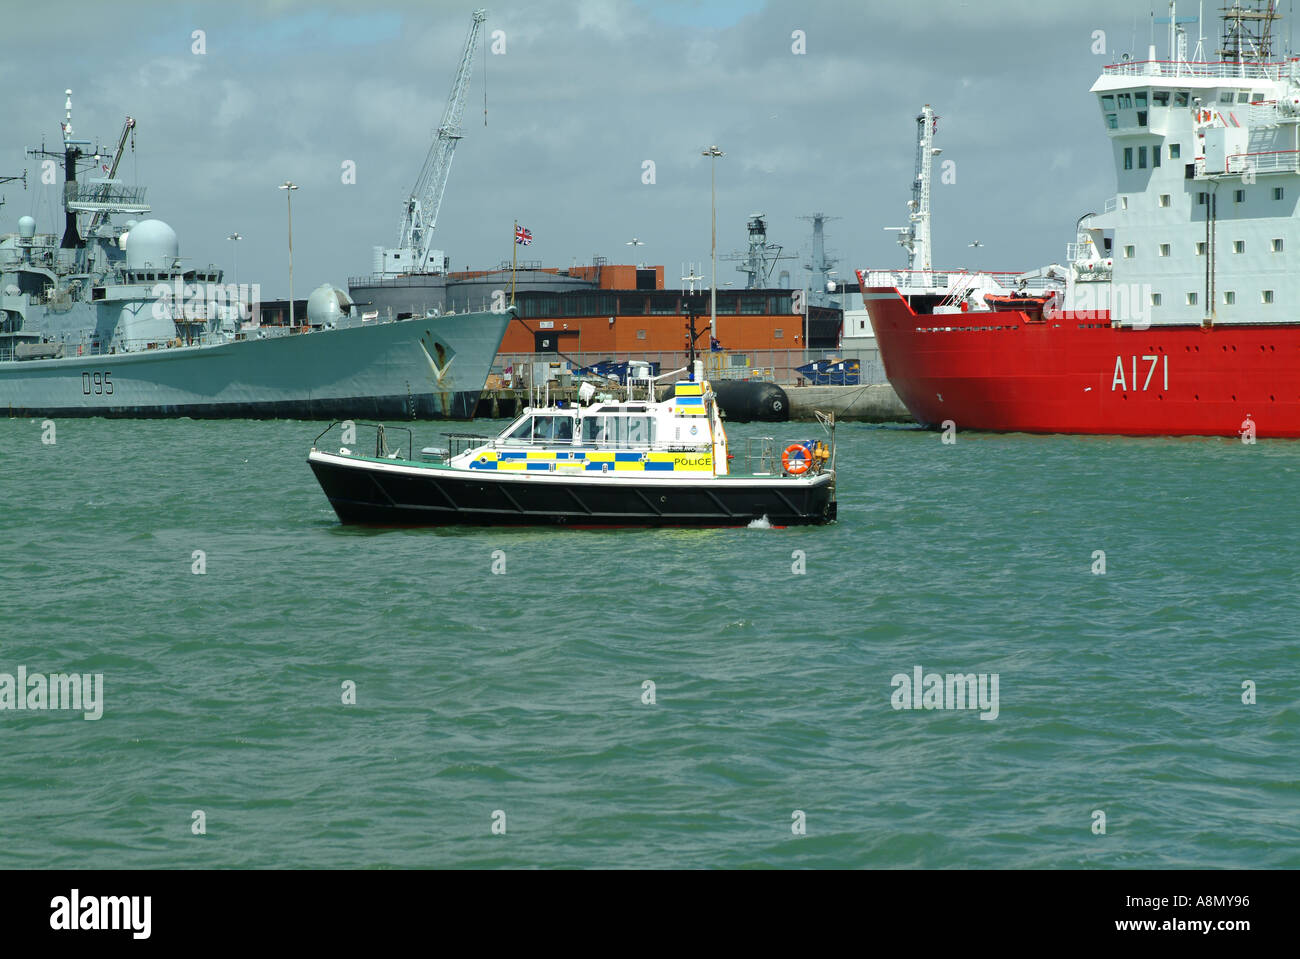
915,237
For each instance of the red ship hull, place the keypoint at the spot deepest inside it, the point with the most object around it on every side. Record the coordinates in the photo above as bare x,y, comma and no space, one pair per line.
1074,373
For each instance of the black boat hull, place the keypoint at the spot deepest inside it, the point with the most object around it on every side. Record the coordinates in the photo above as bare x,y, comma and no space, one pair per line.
365,492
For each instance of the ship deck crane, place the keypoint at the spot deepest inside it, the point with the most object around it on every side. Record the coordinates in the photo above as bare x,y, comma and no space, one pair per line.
128,131
415,236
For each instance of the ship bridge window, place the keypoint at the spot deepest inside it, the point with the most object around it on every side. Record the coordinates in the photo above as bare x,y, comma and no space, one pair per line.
1225,96
1243,96
1140,99
1125,101
1142,118
1112,121
1108,102
618,430
1180,98
1160,98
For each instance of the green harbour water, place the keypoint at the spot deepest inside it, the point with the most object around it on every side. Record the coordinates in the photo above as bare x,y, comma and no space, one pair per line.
522,692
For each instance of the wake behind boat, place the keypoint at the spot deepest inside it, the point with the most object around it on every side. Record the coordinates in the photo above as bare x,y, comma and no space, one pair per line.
603,462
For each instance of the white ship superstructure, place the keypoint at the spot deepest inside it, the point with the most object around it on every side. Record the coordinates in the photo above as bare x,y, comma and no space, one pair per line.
1207,164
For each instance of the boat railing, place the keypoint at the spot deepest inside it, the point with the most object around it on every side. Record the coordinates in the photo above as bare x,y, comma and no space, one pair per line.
760,455
355,439
1220,69
458,443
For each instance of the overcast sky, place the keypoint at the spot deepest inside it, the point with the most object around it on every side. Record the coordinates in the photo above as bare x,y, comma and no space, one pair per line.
585,92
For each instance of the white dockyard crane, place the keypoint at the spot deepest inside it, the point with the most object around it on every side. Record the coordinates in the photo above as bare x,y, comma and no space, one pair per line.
413,253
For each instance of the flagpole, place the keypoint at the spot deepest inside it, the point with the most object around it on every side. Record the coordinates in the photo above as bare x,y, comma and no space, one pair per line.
514,260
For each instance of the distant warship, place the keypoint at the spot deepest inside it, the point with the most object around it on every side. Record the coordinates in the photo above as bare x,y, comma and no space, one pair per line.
108,321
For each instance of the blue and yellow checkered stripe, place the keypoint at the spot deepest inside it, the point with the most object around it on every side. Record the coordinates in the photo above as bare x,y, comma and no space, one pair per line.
600,461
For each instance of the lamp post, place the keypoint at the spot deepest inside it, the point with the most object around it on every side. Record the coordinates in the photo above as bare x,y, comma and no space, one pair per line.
713,153
236,237
288,186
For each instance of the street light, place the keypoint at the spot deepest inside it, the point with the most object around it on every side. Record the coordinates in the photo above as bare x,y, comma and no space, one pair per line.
236,237
713,153
288,186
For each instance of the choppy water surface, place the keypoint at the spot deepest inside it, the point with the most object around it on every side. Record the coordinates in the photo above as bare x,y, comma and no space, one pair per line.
523,692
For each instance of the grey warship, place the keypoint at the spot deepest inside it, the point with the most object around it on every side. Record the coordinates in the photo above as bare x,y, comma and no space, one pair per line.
108,320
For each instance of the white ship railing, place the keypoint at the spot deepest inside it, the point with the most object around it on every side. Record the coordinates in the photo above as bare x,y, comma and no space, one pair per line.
1274,161
1223,69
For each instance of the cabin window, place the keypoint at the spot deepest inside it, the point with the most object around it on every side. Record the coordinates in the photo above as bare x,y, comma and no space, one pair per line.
1175,151
1142,118
1160,98
1201,198
1164,249
1229,297
557,429
640,334
1200,248
778,334
1238,246
1108,102
618,430
1238,196
1277,245
1266,296
1277,192
1155,155
1128,158
1142,158
1129,252
1180,98
1164,199
1155,299
1191,299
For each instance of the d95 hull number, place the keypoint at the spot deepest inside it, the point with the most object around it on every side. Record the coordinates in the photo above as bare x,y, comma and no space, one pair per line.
97,383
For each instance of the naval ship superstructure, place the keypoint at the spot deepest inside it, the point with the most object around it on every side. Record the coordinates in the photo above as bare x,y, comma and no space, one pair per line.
109,320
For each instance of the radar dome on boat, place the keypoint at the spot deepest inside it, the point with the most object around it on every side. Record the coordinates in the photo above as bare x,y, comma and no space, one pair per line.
326,304
26,227
152,243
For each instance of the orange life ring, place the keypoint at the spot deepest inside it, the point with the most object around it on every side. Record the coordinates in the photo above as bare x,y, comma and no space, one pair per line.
804,461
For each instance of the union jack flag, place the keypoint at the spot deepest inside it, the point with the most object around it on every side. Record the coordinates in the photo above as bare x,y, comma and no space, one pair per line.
523,236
